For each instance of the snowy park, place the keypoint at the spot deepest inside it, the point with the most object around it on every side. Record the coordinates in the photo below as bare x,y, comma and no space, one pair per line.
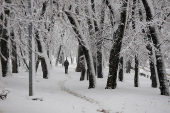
64,93
84,56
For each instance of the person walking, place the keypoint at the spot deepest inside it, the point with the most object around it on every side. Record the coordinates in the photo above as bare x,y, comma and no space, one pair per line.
66,64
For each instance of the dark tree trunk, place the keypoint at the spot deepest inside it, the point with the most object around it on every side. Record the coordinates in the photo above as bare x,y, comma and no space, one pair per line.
114,53
39,48
44,68
151,62
4,52
43,63
89,62
164,88
136,78
37,64
72,59
151,57
58,55
85,47
89,21
83,70
121,69
14,54
4,41
80,53
128,66
95,63
99,62
153,73
62,58
27,67
95,22
111,12
100,46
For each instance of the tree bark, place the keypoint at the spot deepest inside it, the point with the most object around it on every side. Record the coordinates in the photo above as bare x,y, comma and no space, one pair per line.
90,66
72,59
83,70
44,68
4,41
128,66
37,63
121,69
153,72
164,88
41,48
80,53
98,63
151,56
27,67
85,47
58,55
4,52
114,53
43,62
136,78
14,54
100,45
111,12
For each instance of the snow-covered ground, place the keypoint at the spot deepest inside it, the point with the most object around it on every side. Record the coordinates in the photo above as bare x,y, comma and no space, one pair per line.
66,94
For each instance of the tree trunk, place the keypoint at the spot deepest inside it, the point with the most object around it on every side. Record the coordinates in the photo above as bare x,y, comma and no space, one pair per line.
111,12
83,70
44,68
58,55
100,46
114,53
90,66
80,53
14,54
0,71
136,78
121,69
164,88
43,63
27,67
153,69
4,52
37,63
95,63
4,41
85,47
62,58
128,66
99,61
153,72
72,59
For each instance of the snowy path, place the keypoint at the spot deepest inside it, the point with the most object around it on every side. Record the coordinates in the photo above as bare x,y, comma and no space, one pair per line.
125,98
92,101
55,99
66,94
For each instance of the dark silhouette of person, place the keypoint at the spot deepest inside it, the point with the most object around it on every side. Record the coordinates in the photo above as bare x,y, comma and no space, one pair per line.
66,64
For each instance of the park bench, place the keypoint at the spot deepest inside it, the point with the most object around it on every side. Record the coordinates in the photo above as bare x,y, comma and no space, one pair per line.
3,96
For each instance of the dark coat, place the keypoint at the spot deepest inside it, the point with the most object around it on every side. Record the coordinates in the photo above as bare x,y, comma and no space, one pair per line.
66,64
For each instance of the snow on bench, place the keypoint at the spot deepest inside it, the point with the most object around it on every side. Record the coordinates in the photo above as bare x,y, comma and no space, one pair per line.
3,96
